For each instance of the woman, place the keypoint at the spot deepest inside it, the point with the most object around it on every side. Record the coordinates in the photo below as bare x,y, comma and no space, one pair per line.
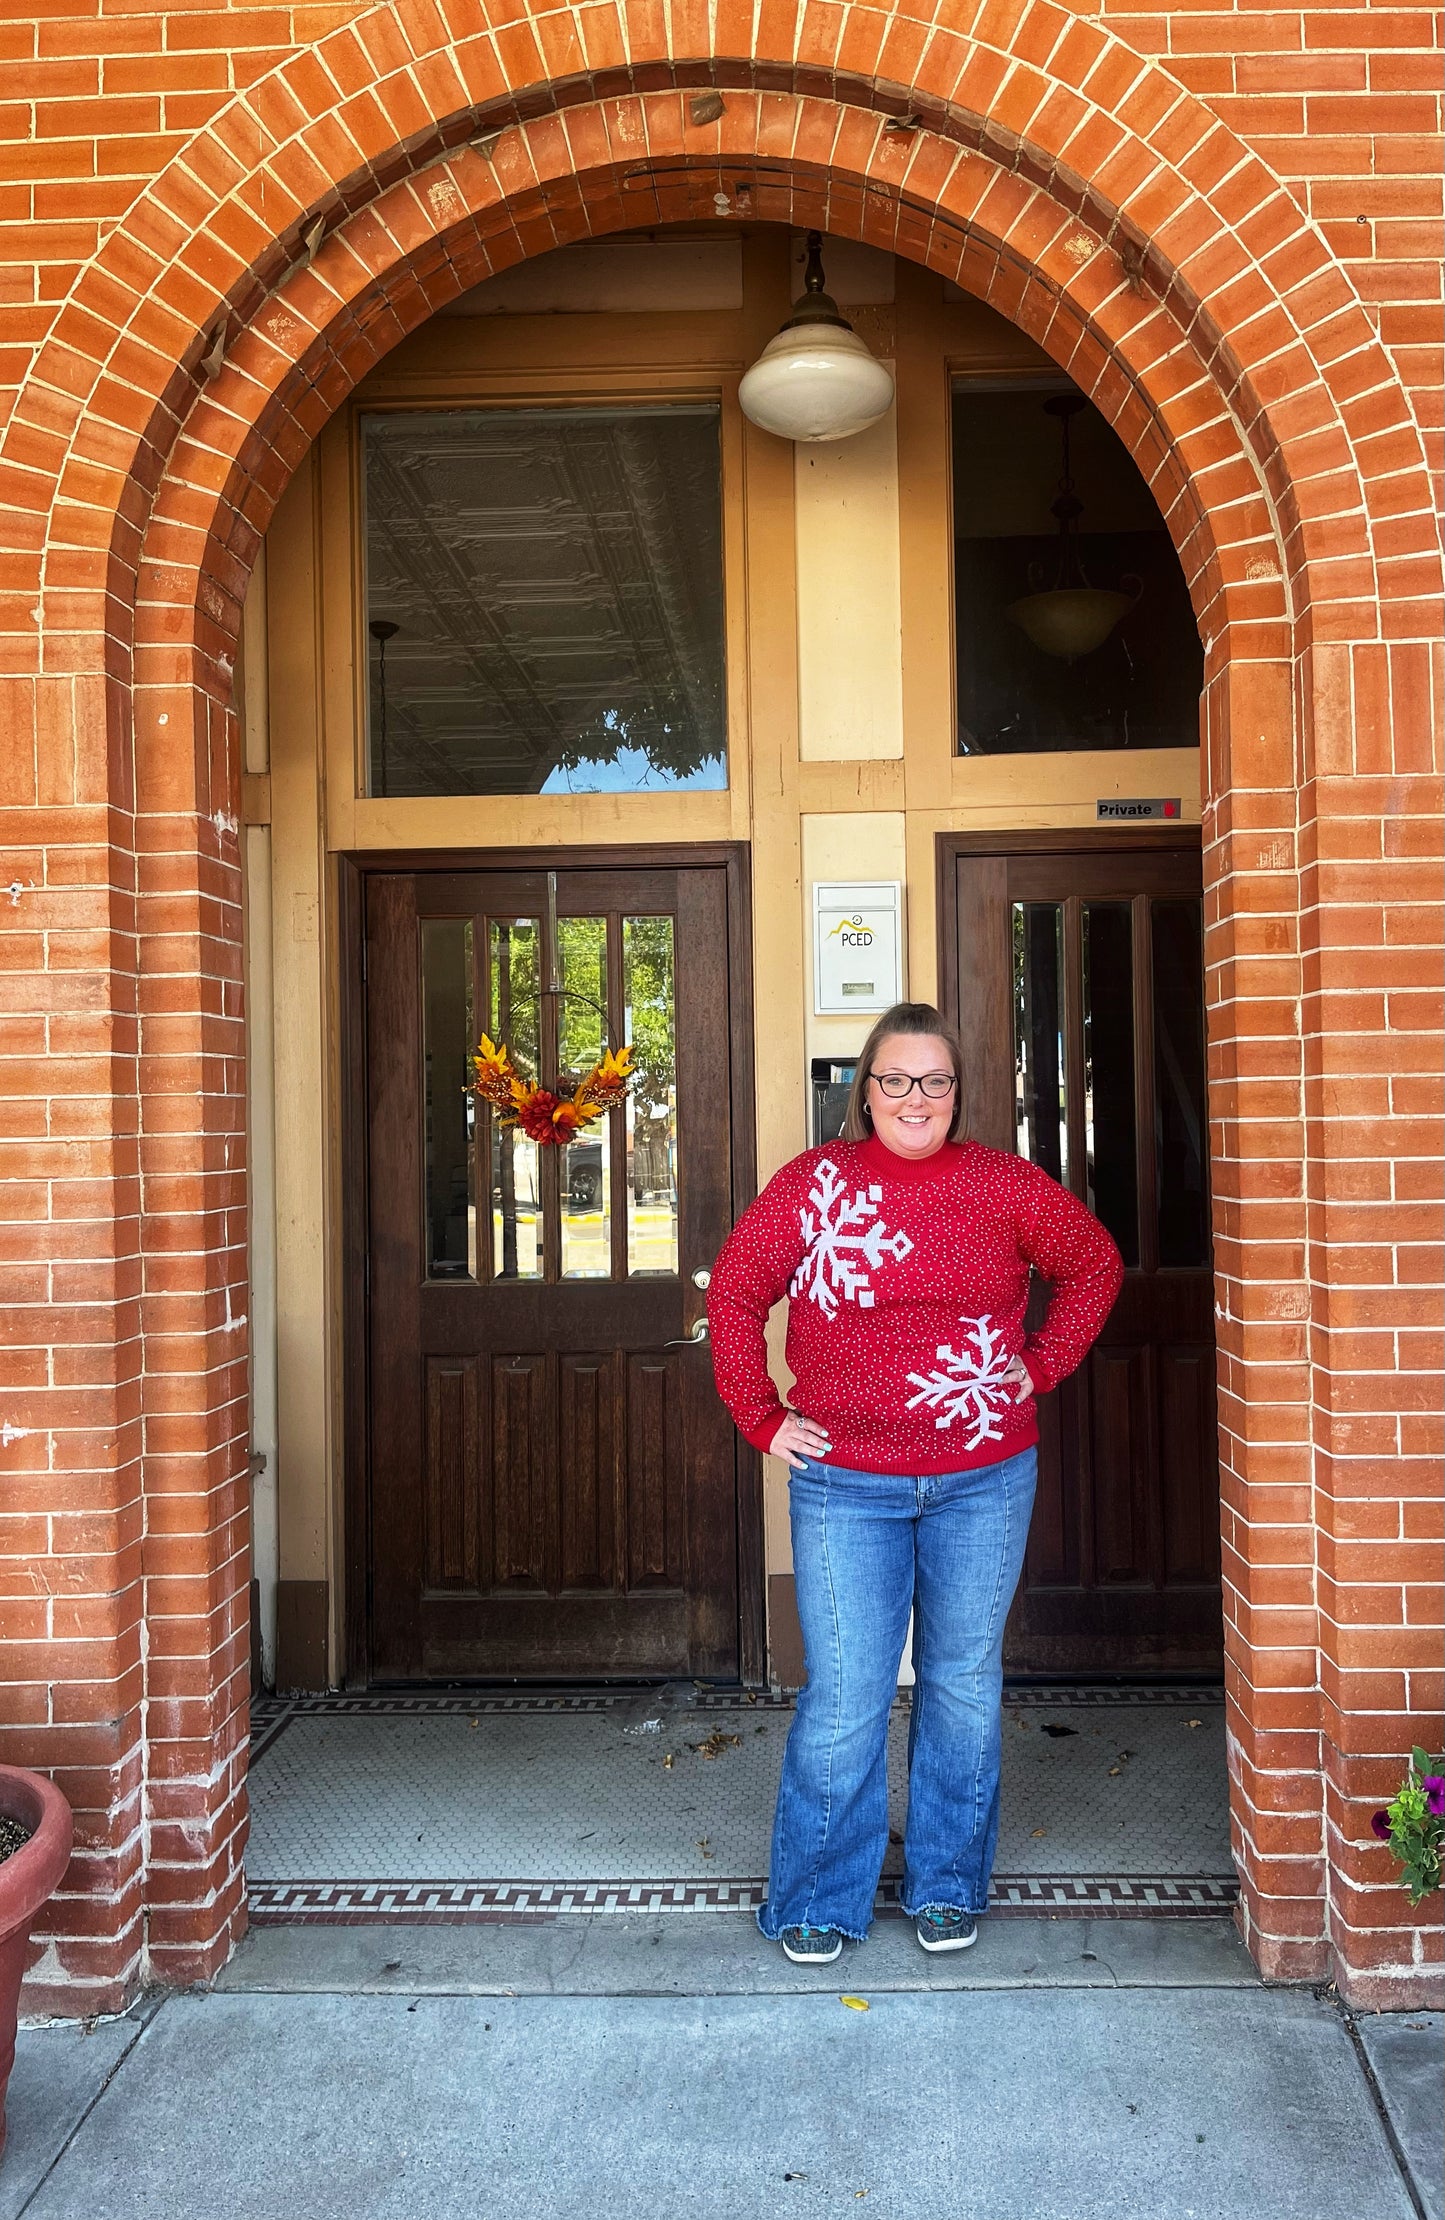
905,1251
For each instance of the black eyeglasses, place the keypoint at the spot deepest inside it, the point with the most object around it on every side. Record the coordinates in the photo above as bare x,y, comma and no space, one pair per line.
897,1084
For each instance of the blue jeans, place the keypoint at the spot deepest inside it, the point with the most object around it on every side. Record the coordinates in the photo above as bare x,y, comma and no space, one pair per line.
867,1547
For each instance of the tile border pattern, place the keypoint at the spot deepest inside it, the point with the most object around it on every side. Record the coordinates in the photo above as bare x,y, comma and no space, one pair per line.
271,1714
496,1903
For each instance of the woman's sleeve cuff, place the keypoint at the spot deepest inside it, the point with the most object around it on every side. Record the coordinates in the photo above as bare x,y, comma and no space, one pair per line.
761,1436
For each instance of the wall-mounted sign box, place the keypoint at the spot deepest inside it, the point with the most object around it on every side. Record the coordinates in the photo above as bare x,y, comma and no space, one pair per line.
857,946
1119,810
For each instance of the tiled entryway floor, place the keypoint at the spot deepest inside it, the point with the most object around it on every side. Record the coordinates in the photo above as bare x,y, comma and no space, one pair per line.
485,1805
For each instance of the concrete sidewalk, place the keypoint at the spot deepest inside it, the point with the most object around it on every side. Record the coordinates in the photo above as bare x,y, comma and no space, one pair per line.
1167,2085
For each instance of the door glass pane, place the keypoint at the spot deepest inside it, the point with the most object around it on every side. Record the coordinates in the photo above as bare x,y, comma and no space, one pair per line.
1179,1119
1109,1128
514,971
1040,1109
544,599
447,1043
586,1168
650,1024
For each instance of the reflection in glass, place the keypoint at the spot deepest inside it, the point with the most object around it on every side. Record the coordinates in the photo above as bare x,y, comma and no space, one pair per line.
1109,1116
650,1024
581,1041
1040,1108
514,973
1179,1121
544,599
1141,688
447,1042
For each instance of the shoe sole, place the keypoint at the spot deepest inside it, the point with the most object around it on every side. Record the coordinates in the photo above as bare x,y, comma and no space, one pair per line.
959,1942
812,1957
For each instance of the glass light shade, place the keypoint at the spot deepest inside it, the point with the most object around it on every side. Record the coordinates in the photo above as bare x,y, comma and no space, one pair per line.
1070,621
816,381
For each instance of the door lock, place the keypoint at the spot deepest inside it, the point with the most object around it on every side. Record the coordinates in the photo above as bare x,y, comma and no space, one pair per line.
702,1277
693,1340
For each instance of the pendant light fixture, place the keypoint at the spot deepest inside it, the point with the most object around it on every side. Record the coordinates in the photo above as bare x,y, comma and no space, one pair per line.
817,380
1070,618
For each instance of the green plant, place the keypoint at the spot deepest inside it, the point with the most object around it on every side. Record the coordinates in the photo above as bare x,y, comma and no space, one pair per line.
1413,1824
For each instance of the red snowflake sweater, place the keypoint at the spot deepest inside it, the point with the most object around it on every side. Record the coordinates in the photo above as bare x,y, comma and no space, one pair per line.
908,1284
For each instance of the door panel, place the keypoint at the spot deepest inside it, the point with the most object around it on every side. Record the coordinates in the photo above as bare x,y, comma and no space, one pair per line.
1079,985
554,1485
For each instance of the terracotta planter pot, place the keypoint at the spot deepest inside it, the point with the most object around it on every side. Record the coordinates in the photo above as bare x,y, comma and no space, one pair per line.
27,1880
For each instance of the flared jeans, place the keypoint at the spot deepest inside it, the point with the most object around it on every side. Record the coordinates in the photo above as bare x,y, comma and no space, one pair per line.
869,1547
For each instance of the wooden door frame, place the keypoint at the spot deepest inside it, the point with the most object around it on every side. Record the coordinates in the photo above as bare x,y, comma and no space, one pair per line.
1069,840
353,870
1129,844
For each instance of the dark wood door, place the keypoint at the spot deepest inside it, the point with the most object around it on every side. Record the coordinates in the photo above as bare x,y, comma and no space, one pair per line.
553,1483
1079,978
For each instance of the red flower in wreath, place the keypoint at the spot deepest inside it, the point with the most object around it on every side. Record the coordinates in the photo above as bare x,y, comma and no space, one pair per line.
550,1119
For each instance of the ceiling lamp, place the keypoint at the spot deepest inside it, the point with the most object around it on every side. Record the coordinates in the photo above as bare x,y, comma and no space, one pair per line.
817,380
1071,618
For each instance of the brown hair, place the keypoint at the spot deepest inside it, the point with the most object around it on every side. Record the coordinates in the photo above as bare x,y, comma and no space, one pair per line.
905,1017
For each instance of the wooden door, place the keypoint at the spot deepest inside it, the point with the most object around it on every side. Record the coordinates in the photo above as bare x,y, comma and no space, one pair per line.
1078,974
553,1483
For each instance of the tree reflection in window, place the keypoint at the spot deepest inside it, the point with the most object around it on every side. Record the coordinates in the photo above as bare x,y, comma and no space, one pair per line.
554,577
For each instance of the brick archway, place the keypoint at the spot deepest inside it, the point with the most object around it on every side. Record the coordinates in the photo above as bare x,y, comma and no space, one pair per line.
1239,366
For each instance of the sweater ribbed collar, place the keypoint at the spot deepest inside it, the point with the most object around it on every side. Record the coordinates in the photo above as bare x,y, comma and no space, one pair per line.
885,1163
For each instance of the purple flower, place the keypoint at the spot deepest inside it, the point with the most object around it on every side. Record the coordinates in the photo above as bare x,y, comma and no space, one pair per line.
1434,1787
1380,1825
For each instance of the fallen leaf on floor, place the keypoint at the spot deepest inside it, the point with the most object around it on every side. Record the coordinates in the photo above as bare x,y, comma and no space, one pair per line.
716,1743
795,2177
669,1761
474,1724
1056,1732
760,1730
704,1843
1115,1771
855,2003
894,1835
1039,1832
752,1695
1194,1722
859,2193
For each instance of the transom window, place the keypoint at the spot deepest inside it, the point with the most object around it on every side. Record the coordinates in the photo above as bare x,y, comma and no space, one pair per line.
1058,538
544,600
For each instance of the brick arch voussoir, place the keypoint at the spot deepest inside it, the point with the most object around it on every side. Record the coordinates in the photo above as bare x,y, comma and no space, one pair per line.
232,457
1046,98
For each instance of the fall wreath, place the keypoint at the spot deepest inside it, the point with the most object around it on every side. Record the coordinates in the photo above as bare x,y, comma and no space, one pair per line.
544,1114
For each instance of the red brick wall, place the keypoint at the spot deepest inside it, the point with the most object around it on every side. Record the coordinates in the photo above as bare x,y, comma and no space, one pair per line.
1266,343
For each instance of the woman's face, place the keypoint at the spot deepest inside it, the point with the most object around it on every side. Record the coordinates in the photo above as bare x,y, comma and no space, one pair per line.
914,1124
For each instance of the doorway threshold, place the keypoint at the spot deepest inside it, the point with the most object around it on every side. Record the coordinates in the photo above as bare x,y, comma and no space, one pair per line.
508,1807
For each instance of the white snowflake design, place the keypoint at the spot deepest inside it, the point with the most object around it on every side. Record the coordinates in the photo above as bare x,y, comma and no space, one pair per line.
846,1241
970,1386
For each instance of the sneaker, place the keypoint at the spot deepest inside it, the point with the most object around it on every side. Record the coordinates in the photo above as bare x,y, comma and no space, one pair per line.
945,1927
811,1946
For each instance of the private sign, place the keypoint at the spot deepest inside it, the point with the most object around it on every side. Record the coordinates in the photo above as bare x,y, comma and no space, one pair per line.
1134,812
